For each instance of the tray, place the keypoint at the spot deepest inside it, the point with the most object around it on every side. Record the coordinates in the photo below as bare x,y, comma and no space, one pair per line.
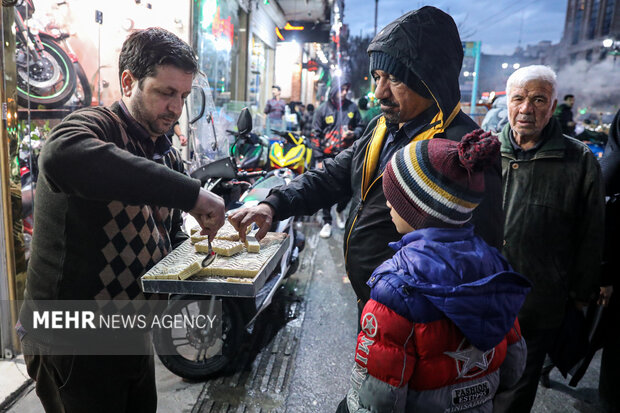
221,286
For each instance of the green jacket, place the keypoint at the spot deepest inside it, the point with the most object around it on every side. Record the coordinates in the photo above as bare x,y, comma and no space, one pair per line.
554,221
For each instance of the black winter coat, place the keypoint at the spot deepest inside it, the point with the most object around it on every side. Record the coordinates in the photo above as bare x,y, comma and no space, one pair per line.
435,54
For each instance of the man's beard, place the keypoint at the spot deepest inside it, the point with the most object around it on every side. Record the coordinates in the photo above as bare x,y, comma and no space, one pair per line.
140,113
390,116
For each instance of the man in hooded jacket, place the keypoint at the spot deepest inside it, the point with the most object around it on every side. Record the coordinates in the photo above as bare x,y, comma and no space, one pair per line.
416,61
336,125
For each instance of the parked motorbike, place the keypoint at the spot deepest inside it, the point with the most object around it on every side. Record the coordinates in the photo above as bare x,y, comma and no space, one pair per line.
45,73
195,353
294,153
250,151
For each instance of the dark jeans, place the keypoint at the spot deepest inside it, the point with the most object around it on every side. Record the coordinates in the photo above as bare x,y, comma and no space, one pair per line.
327,212
93,384
520,398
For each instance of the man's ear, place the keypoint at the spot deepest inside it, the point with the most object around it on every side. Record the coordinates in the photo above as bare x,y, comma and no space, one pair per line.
127,82
555,103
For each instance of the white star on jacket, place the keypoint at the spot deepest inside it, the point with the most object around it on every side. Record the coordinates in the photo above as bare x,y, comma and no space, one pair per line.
471,358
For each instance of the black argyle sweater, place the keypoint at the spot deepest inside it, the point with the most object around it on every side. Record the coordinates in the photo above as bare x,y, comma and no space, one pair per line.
107,207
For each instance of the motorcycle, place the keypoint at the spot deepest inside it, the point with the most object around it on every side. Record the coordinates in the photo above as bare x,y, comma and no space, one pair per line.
250,151
45,73
198,353
295,153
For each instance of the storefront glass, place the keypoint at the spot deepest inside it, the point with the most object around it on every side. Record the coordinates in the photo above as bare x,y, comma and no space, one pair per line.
216,26
256,78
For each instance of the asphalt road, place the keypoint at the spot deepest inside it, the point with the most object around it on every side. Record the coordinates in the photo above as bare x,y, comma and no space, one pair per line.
299,356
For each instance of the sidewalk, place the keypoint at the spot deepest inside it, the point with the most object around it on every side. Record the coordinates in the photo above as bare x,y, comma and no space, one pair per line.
13,380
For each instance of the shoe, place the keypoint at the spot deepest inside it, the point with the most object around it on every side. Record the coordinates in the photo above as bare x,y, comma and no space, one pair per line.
326,231
340,221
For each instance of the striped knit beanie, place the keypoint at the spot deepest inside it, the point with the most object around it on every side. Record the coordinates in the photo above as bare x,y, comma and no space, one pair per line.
438,182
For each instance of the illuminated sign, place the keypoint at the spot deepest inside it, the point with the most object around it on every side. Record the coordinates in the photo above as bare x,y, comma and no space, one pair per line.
222,29
311,65
304,32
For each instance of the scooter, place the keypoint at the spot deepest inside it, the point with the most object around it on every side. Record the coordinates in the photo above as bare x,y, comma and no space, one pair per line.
250,151
294,153
198,353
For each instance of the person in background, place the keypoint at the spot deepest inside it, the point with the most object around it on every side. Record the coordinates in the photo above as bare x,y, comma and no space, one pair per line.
337,124
362,106
554,220
108,207
308,116
374,110
427,341
176,130
419,93
564,113
275,109
295,109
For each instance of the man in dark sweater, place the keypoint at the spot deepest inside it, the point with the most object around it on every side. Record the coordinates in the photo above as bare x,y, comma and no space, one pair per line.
108,207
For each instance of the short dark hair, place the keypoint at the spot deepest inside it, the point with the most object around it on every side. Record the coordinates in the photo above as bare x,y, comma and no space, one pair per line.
310,107
569,96
144,50
276,87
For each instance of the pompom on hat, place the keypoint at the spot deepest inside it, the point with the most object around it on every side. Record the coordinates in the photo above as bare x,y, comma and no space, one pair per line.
439,182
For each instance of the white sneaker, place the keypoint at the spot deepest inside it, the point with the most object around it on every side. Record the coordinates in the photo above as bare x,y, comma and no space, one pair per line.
340,221
326,231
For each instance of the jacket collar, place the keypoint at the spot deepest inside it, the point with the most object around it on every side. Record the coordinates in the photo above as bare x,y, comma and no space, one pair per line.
553,146
435,235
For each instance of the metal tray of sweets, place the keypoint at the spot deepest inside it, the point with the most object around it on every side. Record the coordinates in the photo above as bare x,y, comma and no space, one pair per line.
215,285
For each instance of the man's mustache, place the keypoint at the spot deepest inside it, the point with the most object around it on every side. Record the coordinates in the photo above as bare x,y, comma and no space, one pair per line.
526,119
386,102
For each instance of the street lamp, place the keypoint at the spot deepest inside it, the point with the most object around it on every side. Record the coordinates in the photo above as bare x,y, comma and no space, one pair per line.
516,66
504,65
607,43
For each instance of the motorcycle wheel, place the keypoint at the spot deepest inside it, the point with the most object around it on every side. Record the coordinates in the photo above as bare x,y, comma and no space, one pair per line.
83,92
190,358
51,80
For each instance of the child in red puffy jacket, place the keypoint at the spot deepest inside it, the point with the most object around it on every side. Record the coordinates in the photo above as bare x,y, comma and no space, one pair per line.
440,332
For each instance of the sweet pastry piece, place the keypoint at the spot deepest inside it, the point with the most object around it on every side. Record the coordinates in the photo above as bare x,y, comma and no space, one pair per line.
244,264
228,232
180,265
252,245
196,237
220,247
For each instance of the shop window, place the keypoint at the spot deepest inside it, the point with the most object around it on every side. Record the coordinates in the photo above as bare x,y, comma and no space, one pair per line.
258,60
216,41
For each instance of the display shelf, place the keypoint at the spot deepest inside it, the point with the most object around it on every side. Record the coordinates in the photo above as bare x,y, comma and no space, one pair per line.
22,113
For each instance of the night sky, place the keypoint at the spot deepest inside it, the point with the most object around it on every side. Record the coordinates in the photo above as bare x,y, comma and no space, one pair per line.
499,24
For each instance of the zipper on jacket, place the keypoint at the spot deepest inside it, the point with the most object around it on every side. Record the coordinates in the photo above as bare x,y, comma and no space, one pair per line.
357,213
